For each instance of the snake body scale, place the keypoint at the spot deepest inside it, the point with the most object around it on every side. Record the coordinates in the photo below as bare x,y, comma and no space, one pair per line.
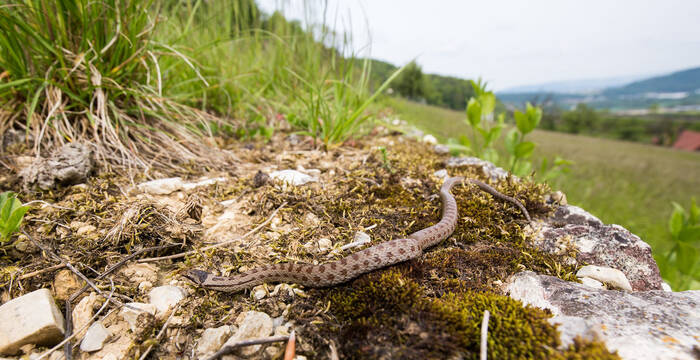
351,266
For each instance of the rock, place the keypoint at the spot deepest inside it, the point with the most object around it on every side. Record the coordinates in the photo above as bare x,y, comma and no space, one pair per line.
33,318
441,174
12,137
212,340
292,177
490,170
83,312
65,284
638,325
260,179
138,273
360,239
430,139
131,312
311,219
94,338
598,244
441,149
606,275
71,164
556,197
161,186
201,183
119,347
259,292
252,325
324,244
166,297
592,283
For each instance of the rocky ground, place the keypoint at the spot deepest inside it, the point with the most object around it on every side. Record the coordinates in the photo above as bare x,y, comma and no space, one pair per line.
562,286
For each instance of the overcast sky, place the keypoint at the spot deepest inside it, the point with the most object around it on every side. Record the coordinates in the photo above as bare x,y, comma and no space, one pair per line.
518,42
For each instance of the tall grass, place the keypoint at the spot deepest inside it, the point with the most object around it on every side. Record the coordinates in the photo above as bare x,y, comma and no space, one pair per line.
89,70
146,82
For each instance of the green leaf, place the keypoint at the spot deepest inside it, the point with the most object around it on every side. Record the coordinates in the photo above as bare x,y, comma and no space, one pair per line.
474,112
690,234
6,206
522,168
488,102
686,258
694,212
511,141
534,115
491,155
675,223
495,133
524,149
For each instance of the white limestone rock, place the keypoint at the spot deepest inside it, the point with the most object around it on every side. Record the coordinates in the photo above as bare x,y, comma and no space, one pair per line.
32,318
251,325
83,312
292,177
430,139
161,186
606,275
212,340
131,312
95,337
441,174
652,324
165,298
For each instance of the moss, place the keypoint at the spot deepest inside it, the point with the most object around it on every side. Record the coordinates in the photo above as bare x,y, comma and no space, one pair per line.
587,349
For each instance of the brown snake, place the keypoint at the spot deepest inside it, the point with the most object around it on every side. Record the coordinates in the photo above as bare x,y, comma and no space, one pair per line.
372,258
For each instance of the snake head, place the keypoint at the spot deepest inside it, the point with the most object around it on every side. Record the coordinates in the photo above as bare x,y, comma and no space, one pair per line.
196,276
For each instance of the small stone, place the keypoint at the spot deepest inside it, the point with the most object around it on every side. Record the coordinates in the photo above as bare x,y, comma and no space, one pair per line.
592,283
83,312
166,297
145,286
131,312
273,352
441,149
292,177
666,287
202,183
362,237
324,244
71,164
161,186
33,318
95,337
441,174
84,230
556,197
212,340
140,272
65,284
259,292
252,325
311,219
430,139
606,275
260,179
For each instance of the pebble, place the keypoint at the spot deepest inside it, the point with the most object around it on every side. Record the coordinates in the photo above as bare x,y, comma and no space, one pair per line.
85,230
32,318
592,283
606,275
441,149
161,186
441,174
83,312
252,325
324,244
166,297
95,337
430,139
292,177
65,284
259,292
213,339
131,311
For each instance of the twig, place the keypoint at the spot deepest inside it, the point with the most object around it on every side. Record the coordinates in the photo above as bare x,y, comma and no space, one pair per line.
484,333
161,332
290,350
183,254
231,348
39,272
88,323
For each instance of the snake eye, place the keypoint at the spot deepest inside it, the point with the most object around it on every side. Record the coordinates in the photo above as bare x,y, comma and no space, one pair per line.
196,276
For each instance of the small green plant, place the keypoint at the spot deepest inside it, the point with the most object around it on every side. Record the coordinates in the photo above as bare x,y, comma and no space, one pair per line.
680,266
385,159
486,132
11,214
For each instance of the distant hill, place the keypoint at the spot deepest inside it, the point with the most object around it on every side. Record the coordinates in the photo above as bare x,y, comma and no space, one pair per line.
681,81
584,86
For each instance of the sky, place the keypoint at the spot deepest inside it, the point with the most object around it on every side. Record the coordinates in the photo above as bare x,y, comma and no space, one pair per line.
518,42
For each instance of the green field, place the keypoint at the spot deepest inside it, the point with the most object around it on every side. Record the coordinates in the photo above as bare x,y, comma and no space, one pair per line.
625,183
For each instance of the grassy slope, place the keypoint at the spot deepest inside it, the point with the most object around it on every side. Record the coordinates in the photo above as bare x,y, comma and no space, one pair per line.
624,183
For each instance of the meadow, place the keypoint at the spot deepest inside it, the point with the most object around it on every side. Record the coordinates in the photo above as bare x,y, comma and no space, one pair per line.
625,183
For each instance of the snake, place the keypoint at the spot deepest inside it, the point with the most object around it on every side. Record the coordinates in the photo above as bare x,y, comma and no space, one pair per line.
364,261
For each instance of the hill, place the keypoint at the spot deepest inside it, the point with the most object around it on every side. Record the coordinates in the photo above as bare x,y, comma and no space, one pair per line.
680,81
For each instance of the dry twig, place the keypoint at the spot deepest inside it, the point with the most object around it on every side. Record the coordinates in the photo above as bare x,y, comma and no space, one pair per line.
484,334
